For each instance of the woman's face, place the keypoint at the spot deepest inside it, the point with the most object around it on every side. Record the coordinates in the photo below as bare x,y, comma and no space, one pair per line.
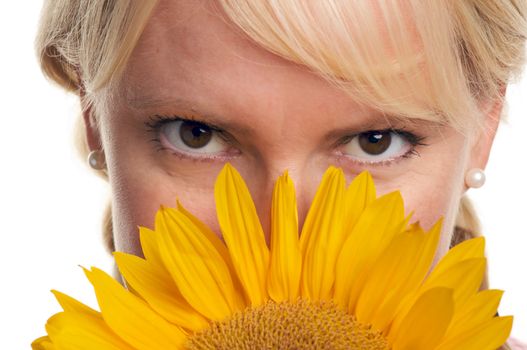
196,94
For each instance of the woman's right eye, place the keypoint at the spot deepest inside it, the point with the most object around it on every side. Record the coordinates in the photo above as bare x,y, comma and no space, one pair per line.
191,137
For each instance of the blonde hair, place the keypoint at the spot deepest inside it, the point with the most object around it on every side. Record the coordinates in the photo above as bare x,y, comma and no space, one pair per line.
427,59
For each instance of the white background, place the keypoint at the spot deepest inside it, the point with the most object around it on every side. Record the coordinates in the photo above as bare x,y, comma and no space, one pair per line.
51,204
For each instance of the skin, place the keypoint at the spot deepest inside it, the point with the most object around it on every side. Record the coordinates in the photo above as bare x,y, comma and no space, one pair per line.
279,115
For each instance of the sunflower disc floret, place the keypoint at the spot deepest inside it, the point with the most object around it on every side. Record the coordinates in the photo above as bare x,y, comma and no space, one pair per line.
299,325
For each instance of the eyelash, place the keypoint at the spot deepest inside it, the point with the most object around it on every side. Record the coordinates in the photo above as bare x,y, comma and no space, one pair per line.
157,121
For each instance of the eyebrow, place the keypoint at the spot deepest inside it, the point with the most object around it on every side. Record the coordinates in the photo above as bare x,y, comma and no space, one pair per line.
145,102
187,109
367,122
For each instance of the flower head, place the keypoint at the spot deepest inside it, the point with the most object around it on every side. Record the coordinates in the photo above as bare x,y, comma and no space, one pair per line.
356,277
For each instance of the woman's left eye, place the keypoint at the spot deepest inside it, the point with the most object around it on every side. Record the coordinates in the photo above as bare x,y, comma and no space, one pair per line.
378,146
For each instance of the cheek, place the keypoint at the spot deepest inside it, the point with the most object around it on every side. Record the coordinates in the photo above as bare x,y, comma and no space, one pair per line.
137,197
431,198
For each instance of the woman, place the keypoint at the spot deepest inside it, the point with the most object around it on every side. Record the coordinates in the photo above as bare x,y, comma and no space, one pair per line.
171,90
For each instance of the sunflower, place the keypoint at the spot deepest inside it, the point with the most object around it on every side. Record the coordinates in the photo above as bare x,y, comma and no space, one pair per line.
357,277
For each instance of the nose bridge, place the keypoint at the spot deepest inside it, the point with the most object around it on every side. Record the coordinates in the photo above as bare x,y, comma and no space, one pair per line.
305,176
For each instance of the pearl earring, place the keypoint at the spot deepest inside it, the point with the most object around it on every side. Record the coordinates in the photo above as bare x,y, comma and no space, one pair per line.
475,178
96,160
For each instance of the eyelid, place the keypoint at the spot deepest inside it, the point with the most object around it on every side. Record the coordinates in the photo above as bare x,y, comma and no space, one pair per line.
160,119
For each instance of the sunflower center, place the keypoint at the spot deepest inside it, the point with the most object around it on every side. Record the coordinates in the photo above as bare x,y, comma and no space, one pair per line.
299,325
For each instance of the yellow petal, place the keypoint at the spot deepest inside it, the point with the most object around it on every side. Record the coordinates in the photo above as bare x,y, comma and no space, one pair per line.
210,235
156,287
359,194
322,236
79,327
488,336
70,330
375,229
131,318
399,270
471,248
409,282
242,233
69,304
150,246
426,323
464,278
218,244
42,343
479,309
197,268
467,250
285,259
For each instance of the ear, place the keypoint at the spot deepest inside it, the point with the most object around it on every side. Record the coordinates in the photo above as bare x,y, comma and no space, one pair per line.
482,139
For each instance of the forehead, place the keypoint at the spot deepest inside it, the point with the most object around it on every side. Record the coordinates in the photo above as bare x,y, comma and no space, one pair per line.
190,50
191,42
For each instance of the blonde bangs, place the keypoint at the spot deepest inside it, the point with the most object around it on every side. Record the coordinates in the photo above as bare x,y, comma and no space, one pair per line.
400,57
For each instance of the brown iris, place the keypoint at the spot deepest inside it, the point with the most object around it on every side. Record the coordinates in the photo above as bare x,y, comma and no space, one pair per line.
375,142
194,134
